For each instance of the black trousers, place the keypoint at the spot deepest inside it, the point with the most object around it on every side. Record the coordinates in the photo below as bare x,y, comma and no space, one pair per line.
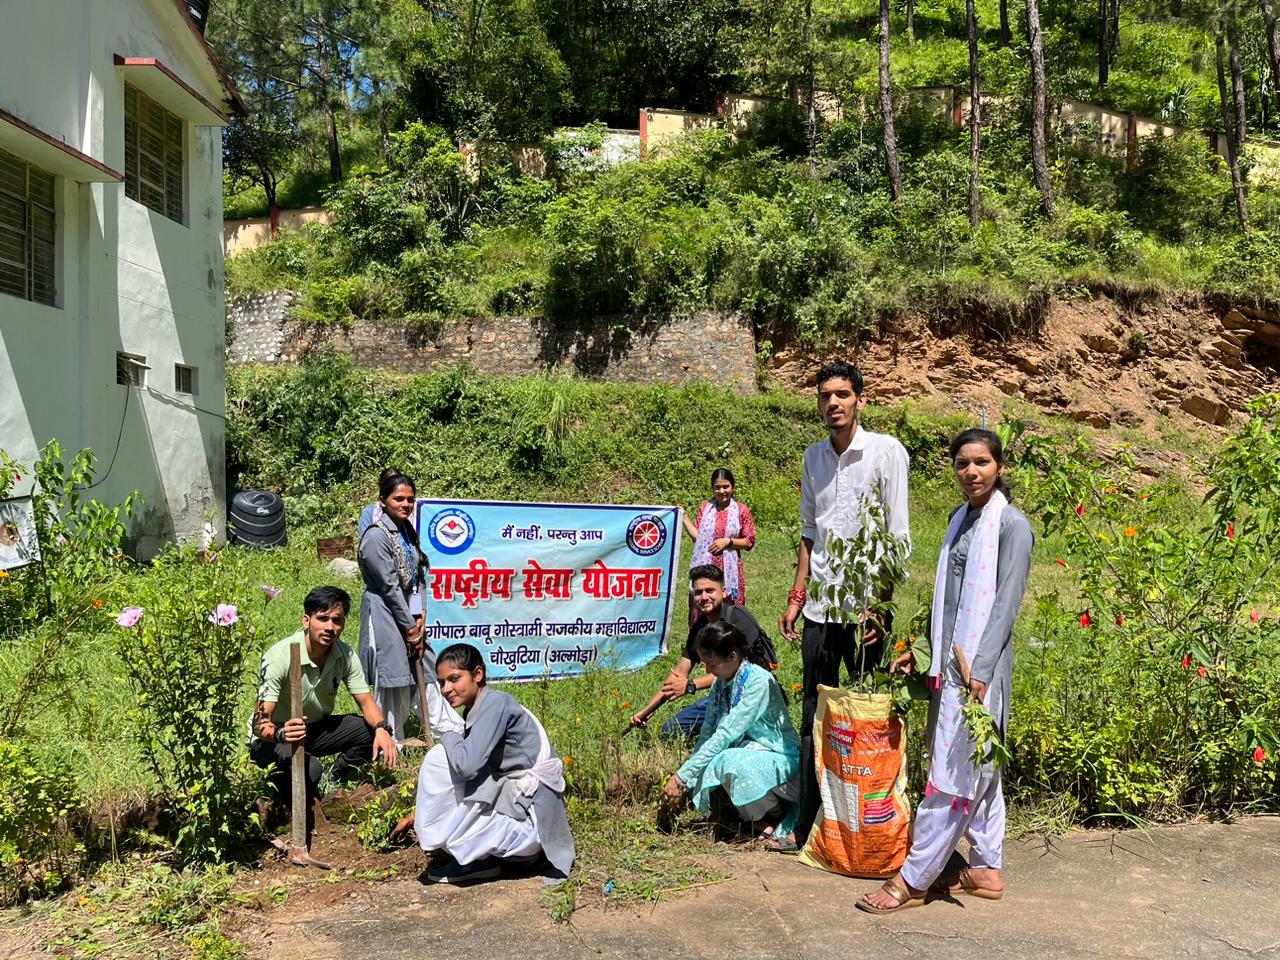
823,647
345,734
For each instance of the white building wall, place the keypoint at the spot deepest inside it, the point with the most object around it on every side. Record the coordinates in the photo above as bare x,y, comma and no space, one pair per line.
131,280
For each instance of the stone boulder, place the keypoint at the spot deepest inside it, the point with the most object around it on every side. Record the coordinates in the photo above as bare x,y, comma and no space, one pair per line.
1204,407
342,567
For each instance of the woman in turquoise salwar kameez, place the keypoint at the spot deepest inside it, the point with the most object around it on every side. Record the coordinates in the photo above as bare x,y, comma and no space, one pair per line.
748,746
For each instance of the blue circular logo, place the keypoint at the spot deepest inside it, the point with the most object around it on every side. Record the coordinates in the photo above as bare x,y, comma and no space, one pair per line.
451,530
646,535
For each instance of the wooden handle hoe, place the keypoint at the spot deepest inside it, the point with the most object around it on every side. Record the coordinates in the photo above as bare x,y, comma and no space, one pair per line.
423,710
645,714
962,664
299,854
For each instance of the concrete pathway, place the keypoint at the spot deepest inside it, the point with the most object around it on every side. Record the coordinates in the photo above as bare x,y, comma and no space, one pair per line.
1194,891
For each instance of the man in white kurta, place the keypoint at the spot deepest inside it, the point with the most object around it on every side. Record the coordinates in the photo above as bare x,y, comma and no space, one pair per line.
843,476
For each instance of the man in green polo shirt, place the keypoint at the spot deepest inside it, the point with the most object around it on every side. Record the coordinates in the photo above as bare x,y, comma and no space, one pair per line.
327,662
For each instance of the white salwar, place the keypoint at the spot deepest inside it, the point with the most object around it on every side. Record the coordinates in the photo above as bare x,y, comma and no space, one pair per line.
470,831
962,800
943,820
466,831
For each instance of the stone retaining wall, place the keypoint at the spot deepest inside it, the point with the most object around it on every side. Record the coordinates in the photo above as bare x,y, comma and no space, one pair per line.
705,346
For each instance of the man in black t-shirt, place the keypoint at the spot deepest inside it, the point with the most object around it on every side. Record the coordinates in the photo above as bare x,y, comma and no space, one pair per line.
708,599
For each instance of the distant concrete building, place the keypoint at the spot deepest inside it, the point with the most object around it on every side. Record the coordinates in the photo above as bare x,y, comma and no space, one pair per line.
112,318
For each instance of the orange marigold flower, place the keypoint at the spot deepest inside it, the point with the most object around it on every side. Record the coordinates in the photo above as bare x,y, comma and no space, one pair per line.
1130,532
900,645
626,704
796,687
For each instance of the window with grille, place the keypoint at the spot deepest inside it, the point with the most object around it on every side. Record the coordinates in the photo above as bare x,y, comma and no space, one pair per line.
152,155
184,378
131,370
27,222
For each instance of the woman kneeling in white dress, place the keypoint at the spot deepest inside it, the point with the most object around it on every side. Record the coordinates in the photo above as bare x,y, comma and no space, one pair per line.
493,791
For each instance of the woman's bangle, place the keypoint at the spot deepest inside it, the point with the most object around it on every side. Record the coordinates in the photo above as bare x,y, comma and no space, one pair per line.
798,597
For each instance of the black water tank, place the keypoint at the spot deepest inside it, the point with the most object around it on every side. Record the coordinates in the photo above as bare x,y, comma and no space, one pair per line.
199,12
255,518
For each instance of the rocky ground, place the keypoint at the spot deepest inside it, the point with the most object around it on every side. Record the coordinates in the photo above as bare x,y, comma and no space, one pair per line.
1093,359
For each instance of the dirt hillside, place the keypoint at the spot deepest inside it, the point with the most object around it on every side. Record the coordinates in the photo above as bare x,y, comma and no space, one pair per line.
1094,359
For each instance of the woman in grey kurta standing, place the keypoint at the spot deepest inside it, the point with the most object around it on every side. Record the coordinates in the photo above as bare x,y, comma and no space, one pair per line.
981,576
391,609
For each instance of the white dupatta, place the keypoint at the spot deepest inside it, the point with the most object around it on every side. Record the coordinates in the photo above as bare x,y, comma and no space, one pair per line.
950,768
547,770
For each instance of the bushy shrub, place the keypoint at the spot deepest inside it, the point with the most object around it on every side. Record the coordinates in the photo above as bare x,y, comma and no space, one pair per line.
36,796
1088,235
343,298
433,176
1177,188
1249,266
421,276
773,257
934,212
373,219
922,124
288,261
81,539
186,641
1157,687
854,155
593,246
1089,166
574,154
519,202
298,429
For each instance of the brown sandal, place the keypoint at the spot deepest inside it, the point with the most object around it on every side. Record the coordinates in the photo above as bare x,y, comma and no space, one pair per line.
896,890
966,886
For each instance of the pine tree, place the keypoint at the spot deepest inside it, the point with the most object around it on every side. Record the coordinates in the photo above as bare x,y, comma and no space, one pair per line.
1039,152
886,106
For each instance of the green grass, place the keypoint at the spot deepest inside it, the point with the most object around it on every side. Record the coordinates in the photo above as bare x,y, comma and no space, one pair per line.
88,720
617,444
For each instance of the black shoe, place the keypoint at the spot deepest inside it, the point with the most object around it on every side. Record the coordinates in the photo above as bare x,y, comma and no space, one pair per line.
490,868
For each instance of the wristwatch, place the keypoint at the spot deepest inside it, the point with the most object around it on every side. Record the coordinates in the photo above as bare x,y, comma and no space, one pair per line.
690,687
384,726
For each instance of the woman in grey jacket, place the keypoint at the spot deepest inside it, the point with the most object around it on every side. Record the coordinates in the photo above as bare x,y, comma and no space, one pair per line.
978,587
493,792
391,610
